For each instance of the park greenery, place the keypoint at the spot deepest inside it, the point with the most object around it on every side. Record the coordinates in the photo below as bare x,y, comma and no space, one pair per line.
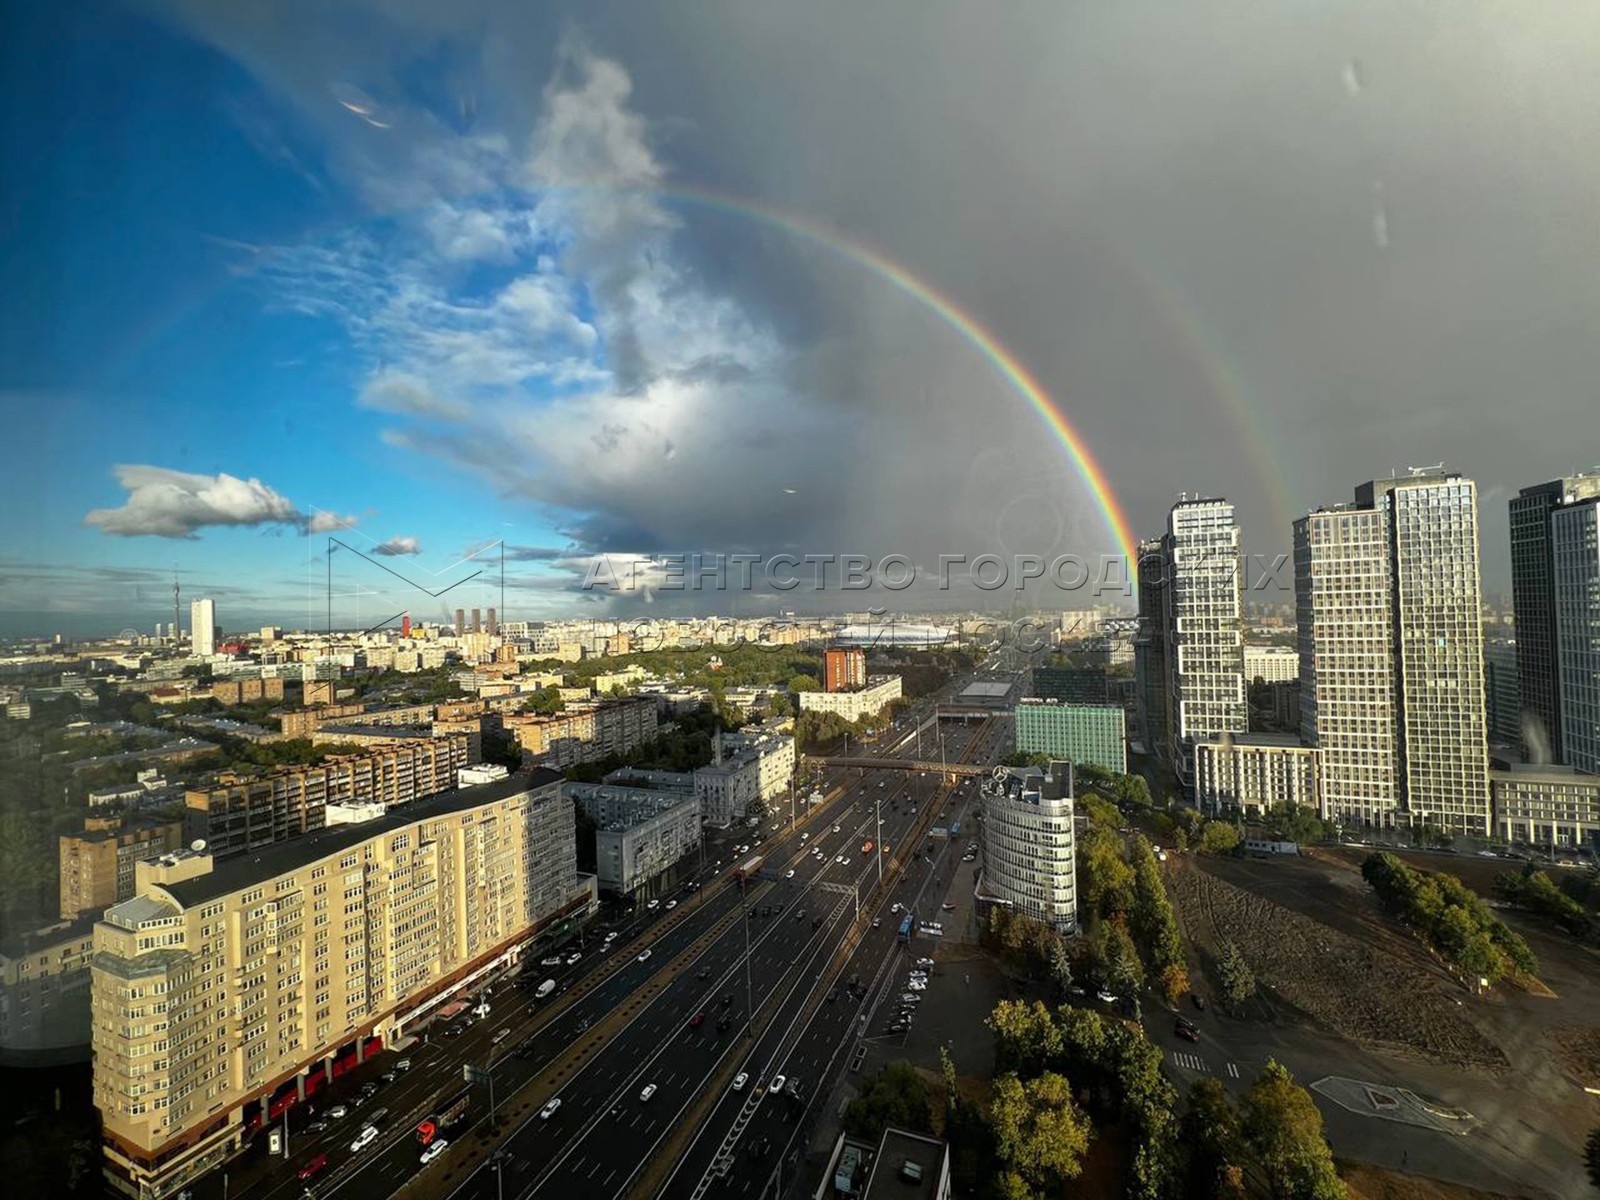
685,745
896,1096
1450,918
1237,981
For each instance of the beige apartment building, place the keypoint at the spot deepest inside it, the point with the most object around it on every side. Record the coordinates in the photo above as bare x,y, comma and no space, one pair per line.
97,864
242,813
586,733
225,992
246,691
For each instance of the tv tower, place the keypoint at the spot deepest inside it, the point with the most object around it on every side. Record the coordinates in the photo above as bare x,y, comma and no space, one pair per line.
177,625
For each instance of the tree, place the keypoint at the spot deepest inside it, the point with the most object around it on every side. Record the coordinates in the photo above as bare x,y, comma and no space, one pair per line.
1174,982
896,1097
1040,1133
1124,971
1234,974
803,683
545,702
1210,1135
1026,1040
1131,791
1060,966
1283,1129
1218,837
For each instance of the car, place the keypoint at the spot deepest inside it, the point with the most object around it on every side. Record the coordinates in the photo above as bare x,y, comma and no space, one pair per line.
500,1036
482,1010
1106,997
760,1147
317,1126
612,936
948,906
739,1080
671,904
644,955
723,1023
919,977
369,1088
364,1139
649,1090
877,922
703,973
805,837
697,1020
553,961
403,1065
338,1112
836,828
924,962
897,908
1187,1032
838,858
726,1001
653,905
313,1168
572,959
918,985
845,861
433,1151
1199,1000
789,874
776,1086
549,1110
896,1027
390,1076
910,998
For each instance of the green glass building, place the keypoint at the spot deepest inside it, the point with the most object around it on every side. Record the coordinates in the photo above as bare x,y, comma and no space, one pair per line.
1078,733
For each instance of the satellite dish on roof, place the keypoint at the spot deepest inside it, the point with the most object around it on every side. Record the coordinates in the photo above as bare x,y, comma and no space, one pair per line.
198,845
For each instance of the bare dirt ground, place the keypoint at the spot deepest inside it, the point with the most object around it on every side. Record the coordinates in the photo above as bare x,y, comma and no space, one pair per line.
1579,1050
1374,1183
1385,996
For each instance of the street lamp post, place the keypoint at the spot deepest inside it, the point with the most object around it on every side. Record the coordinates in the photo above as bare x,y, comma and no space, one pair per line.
749,1006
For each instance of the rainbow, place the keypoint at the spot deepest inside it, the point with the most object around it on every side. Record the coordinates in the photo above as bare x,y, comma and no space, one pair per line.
1010,367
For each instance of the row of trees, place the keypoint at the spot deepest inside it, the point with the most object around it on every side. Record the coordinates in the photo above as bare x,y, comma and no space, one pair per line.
1028,946
1273,1135
1534,891
1449,917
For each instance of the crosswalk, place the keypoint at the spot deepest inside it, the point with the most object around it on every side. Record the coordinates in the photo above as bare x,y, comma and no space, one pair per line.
1193,1062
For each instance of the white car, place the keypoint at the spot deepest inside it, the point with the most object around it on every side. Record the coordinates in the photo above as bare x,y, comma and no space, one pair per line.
924,962
572,959
403,1065
338,1111
482,1010
838,858
649,1090
653,905
739,1080
553,961
776,1086
433,1151
917,985
845,860
645,954
897,908
789,874
836,828
672,904
805,837
549,1110
1106,997
612,936
364,1139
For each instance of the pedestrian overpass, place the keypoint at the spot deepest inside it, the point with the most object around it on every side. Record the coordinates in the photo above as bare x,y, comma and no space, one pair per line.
899,764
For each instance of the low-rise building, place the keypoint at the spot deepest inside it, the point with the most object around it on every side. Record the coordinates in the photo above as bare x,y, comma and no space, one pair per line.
1546,805
1083,734
852,706
1029,844
640,835
97,863
226,992
1255,772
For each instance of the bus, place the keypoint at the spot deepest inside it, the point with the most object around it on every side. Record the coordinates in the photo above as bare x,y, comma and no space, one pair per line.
908,926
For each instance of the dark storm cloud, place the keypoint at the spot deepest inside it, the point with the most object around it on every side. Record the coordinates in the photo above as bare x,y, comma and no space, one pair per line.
1264,253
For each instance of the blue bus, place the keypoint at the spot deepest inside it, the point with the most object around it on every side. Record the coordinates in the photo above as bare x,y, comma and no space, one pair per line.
908,925
955,830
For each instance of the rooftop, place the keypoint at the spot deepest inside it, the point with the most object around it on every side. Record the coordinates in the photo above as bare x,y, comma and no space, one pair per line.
908,1165
246,870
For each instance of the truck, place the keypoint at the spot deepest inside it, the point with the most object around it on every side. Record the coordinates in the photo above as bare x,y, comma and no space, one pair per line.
748,868
544,989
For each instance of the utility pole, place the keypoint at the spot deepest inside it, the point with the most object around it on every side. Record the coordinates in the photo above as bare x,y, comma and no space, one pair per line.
749,1006
877,846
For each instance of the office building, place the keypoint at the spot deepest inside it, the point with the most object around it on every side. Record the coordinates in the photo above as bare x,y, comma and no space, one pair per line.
1028,844
202,628
97,864
239,812
1271,664
1533,601
227,992
640,836
1070,685
852,706
1150,650
1255,773
1391,643
1546,805
844,668
1575,571
44,993
1501,694
1082,734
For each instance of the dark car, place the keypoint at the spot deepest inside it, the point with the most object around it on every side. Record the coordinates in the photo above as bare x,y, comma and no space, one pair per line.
697,1020
726,1001
704,973
723,1023
1187,1032
760,1147
1199,1000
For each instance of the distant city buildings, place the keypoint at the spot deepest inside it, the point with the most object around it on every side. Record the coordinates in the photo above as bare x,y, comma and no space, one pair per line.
1271,664
585,732
1029,844
1575,565
1082,734
274,972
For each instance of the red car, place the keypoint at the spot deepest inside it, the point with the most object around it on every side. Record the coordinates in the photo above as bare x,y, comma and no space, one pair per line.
697,1020
314,1168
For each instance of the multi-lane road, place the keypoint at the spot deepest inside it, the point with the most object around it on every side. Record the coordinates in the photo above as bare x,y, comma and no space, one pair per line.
622,1022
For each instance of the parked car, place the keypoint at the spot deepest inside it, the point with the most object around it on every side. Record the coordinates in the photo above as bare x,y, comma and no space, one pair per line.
572,959
403,1065
789,874
1199,1000
672,904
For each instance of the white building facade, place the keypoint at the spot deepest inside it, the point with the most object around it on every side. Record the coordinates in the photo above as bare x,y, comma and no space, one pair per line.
1029,846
